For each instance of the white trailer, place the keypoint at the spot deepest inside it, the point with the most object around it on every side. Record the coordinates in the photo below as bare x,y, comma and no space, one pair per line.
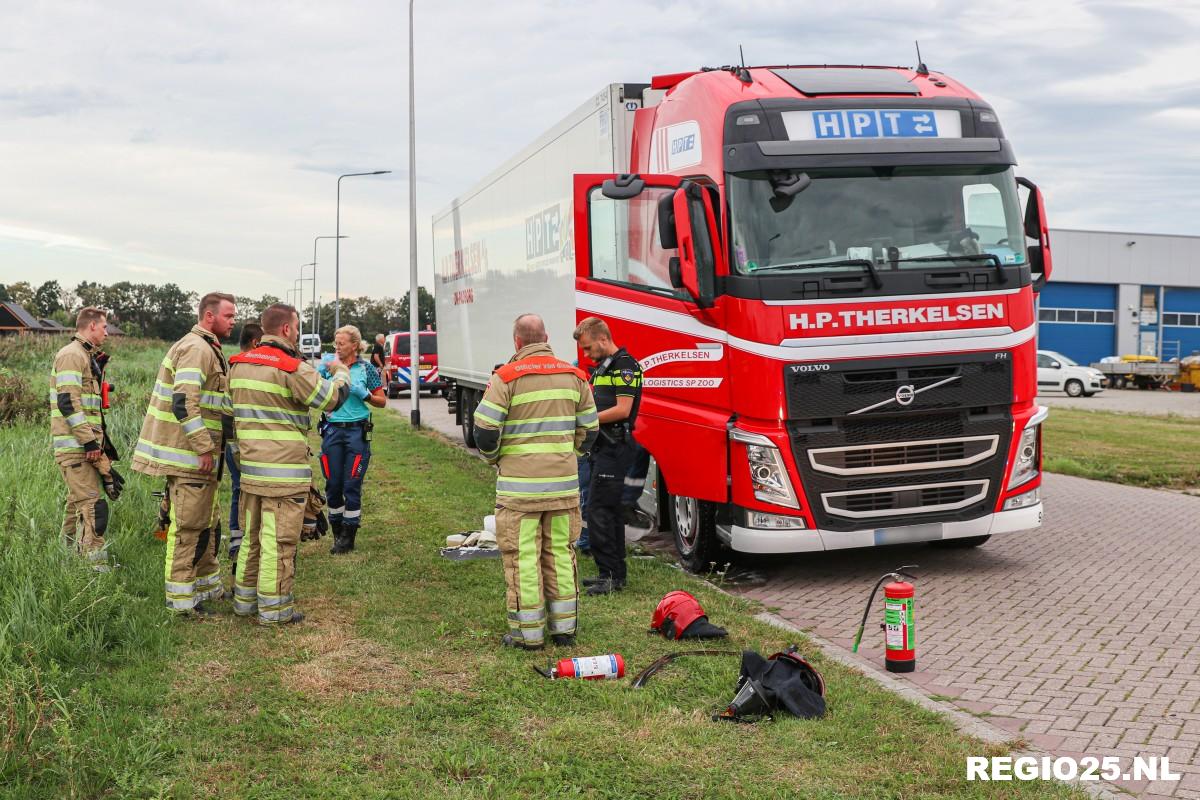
507,247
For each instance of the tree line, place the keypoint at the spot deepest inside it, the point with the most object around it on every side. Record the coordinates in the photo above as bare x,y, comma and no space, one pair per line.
167,311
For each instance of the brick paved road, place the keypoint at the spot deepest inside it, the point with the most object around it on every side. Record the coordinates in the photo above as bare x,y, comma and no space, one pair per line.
1084,638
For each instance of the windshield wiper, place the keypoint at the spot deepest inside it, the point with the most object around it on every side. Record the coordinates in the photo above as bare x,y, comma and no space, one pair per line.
849,262
995,259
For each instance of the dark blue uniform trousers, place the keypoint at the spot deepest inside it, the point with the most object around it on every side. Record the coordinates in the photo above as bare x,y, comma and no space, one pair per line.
345,454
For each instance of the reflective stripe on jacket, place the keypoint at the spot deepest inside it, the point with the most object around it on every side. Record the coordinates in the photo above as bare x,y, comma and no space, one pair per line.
188,403
75,422
272,391
534,420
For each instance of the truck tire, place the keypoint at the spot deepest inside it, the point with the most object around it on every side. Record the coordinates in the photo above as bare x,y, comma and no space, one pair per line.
961,544
1073,388
467,403
694,526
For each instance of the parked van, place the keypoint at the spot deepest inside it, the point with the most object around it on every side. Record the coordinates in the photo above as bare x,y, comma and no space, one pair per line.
310,345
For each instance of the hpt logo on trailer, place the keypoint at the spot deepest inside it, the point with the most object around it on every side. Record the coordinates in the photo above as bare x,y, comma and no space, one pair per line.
675,147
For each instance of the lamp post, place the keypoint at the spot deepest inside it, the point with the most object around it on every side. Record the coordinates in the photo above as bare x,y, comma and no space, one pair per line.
414,335
298,291
317,297
313,279
337,252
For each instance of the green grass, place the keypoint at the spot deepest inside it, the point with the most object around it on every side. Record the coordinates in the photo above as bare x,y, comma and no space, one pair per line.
1155,452
395,686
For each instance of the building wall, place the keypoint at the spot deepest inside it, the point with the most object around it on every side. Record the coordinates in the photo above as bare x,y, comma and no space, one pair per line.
1147,285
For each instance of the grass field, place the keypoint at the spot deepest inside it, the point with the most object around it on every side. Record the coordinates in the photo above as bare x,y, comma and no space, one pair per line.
395,685
1124,448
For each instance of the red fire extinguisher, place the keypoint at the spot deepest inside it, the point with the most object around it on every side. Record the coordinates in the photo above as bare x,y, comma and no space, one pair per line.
592,668
899,630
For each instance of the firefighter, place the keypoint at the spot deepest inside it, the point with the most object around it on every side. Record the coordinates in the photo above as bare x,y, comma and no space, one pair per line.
77,431
272,389
535,418
183,437
617,386
250,336
346,438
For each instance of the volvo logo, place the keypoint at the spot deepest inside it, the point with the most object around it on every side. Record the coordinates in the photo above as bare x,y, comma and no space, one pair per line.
810,368
905,395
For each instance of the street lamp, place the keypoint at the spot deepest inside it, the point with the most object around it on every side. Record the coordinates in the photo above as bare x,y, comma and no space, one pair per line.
414,335
313,279
317,297
298,290
337,252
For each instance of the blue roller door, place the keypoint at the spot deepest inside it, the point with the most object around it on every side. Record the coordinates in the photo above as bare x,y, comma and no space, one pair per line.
1078,320
1181,320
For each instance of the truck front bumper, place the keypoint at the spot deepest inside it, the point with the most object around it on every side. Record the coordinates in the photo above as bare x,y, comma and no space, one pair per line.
757,540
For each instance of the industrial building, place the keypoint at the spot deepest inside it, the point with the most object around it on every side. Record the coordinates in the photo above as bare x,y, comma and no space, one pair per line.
1115,294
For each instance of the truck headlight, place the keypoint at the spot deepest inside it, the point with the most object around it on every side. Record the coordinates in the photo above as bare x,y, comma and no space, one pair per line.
1024,500
1025,467
768,475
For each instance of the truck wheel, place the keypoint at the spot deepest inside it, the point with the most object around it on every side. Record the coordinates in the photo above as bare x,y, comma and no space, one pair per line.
467,404
1073,388
694,525
961,544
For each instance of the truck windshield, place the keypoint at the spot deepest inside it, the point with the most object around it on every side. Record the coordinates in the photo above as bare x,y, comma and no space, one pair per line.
893,217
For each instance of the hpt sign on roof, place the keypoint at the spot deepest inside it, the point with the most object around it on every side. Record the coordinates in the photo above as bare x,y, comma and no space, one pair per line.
873,123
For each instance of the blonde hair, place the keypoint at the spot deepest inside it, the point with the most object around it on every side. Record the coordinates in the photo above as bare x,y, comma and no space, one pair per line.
594,327
350,331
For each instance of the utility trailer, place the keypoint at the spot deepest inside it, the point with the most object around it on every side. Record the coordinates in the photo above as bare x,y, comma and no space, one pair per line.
1139,374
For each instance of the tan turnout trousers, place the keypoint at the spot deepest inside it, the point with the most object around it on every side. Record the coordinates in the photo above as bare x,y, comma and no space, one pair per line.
86,515
540,572
266,564
192,572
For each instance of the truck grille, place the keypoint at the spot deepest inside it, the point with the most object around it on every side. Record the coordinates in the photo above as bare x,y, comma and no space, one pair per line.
922,499
904,456
868,460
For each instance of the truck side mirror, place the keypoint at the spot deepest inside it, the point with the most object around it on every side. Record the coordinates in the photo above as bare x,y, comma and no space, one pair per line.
622,187
694,231
1040,262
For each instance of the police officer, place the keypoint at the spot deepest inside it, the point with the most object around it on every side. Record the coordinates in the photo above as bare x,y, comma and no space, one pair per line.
535,417
617,386
183,437
77,431
272,389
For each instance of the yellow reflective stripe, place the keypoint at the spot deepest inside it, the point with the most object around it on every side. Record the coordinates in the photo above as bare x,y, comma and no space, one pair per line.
612,380
527,563
274,436
588,419
68,379
538,447
564,568
158,413
489,410
212,424
189,376
268,563
544,394
193,425
260,386
77,419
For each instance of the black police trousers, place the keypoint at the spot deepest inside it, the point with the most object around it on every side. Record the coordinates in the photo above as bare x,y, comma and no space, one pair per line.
605,522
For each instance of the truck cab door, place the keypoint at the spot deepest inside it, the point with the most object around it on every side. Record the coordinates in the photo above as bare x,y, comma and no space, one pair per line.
647,256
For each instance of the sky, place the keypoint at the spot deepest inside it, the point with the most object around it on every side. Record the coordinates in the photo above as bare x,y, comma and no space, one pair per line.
200,143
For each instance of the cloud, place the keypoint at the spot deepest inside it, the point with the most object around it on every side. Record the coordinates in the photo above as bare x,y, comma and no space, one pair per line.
141,270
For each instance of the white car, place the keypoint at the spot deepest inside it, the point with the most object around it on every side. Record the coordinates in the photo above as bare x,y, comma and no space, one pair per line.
1056,372
310,345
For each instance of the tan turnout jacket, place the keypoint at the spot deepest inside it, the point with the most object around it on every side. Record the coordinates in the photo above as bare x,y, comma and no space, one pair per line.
536,417
75,421
272,391
189,408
